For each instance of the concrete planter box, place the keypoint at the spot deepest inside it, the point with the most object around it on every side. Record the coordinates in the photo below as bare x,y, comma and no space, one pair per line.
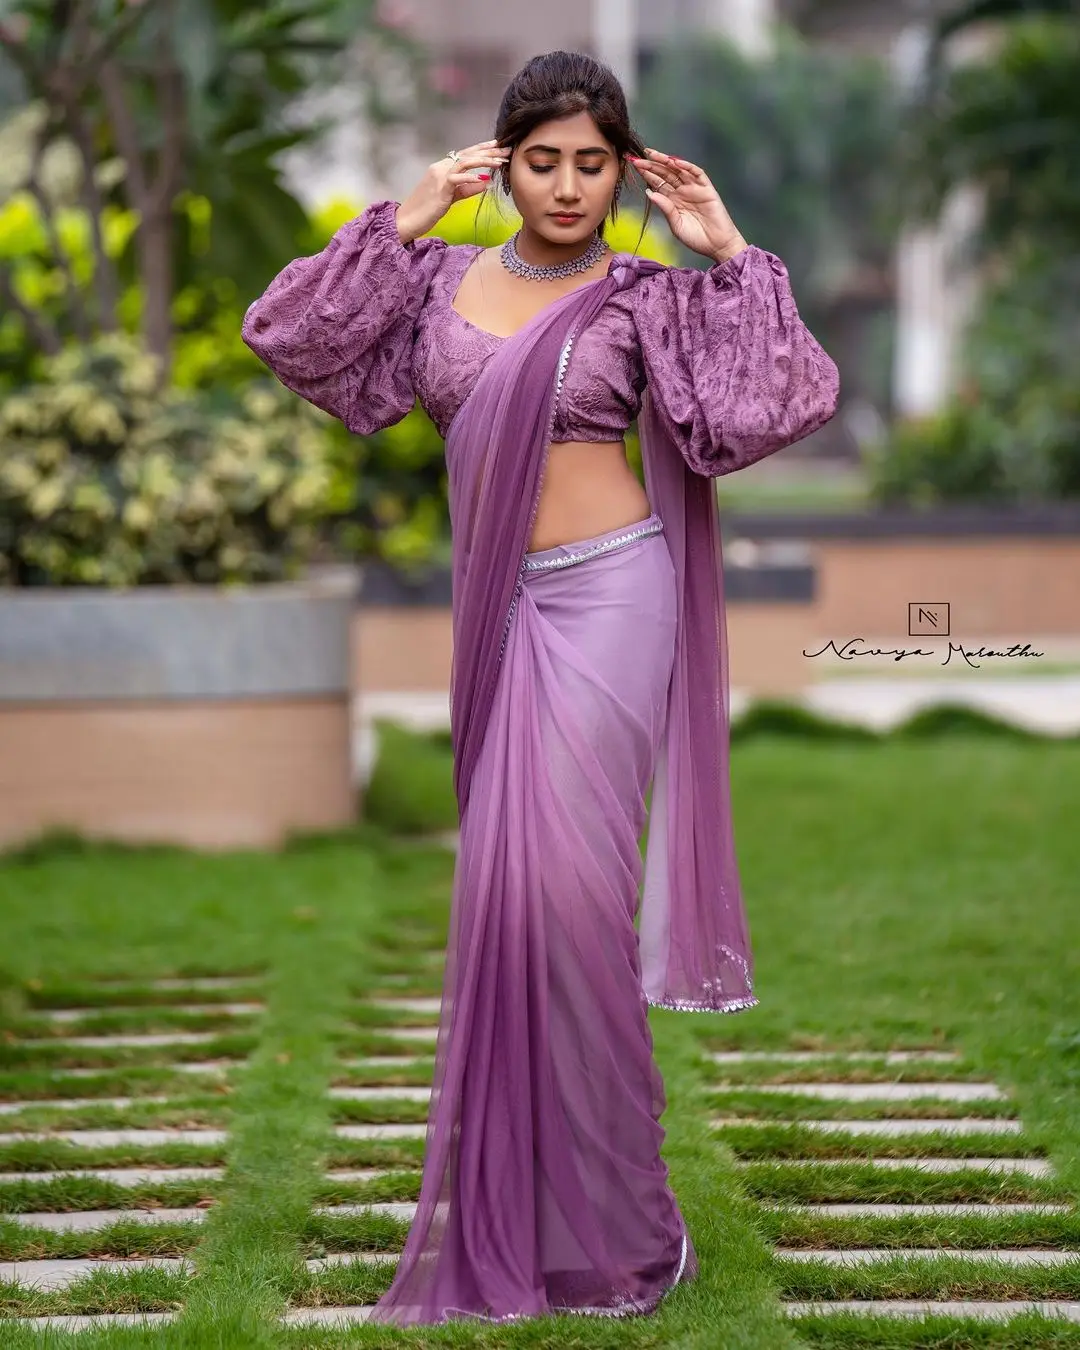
202,716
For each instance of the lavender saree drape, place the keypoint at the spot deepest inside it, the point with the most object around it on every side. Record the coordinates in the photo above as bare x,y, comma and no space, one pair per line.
543,1188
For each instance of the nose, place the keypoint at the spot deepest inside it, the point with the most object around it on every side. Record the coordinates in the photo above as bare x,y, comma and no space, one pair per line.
567,188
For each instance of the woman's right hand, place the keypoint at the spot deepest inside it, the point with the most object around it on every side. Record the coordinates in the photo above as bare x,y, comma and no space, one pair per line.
445,182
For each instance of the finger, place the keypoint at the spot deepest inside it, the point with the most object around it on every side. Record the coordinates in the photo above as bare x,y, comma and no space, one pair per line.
692,170
665,172
656,180
662,160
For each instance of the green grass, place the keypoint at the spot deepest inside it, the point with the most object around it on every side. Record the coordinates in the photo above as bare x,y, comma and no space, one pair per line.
913,890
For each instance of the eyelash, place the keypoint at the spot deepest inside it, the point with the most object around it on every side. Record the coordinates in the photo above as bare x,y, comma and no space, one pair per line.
547,168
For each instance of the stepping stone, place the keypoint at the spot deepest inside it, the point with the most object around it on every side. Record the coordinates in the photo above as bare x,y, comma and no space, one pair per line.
420,1005
327,1317
412,1131
987,1312
88,1220
384,1062
117,1138
815,1056
406,1033
95,1321
59,1274
74,1014
318,1263
915,1211
122,1176
182,982
205,981
358,1173
214,1066
211,1066
862,1256
148,1040
393,1209
1032,1167
373,1094
958,1125
884,1092
73,1103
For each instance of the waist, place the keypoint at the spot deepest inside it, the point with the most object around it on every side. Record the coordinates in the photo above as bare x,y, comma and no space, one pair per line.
565,555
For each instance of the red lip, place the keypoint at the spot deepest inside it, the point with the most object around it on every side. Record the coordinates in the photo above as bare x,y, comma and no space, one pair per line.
566,215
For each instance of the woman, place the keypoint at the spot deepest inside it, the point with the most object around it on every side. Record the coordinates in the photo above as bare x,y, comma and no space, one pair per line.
589,661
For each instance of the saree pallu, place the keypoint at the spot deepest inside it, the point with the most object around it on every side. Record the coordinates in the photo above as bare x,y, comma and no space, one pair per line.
573,686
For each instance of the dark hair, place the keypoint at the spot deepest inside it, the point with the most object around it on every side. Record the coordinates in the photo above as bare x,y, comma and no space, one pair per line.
560,84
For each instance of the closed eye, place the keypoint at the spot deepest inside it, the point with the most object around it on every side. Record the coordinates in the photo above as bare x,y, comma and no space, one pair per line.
547,168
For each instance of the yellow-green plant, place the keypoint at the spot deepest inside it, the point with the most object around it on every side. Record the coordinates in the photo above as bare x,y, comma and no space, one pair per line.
105,482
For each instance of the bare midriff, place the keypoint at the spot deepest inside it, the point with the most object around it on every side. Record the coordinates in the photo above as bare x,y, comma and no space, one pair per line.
588,488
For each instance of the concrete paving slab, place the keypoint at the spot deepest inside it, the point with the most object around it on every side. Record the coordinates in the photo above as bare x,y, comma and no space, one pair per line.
318,1263
406,1033
957,1125
117,1138
982,1312
883,1092
375,1094
74,1103
327,1317
414,1131
194,1066
74,1014
94,1321
61,1274
816,1056
392,1209
420,1005
150,1040
181,982
384,1061
122,1176
357,1173
1031,1167
864,1256
89,1220
916,1211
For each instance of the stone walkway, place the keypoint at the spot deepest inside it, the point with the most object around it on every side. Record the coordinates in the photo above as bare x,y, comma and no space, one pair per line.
812,1259
868,1109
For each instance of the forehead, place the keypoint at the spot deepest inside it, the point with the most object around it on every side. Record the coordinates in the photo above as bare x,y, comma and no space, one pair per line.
568,134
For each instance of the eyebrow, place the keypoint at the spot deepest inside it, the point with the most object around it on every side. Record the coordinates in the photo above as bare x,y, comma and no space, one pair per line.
554,149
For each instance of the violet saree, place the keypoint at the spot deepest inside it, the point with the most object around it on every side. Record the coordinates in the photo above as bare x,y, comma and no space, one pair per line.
572,688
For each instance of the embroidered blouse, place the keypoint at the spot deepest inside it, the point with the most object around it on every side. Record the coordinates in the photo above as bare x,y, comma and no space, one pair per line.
367,326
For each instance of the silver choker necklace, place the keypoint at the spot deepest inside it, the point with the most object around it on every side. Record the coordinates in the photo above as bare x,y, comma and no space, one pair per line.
513,263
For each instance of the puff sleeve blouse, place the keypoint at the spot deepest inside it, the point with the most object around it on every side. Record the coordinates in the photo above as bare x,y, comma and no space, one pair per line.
366,326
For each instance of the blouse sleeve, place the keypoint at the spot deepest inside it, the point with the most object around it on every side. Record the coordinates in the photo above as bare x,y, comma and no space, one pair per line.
733,372
337,327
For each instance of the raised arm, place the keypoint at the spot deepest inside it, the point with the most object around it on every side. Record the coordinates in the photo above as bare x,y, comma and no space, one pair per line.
732,370
337,327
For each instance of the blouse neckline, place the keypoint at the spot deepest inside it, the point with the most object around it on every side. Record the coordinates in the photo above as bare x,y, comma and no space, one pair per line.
451,296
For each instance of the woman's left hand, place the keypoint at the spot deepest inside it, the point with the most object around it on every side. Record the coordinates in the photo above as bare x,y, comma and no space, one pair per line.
690,204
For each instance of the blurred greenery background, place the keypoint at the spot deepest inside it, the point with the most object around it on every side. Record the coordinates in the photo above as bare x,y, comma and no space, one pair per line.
141,196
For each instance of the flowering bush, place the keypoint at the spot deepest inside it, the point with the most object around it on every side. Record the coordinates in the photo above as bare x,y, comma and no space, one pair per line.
105,483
